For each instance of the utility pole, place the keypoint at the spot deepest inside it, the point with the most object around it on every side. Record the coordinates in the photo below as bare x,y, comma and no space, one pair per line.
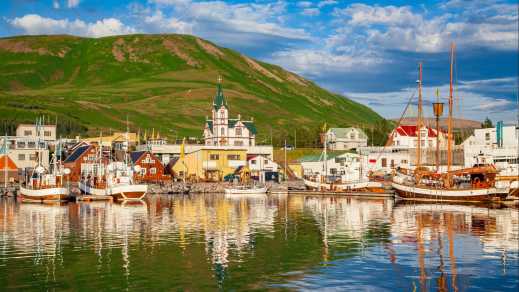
295,138
286,170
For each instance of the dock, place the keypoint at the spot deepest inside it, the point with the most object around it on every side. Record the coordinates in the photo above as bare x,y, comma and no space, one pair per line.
90,198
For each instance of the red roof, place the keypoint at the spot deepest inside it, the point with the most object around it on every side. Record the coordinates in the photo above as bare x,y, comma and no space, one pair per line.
10,164
410,130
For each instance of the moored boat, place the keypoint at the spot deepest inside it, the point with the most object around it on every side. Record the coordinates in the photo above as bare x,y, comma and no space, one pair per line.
246,190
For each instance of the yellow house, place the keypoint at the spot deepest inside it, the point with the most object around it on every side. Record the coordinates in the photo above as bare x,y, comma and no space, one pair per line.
116,138
210,163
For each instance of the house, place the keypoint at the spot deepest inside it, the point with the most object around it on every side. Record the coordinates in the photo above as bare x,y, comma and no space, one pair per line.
117,141
151,168
262,167
404,136
221,130
32,131
8,169
210,163
81,161
346,138
498,146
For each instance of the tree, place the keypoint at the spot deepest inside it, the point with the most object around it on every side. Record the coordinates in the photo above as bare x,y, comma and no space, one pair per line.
487,123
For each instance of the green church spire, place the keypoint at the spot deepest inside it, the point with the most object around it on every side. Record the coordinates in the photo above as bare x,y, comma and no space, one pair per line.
219,99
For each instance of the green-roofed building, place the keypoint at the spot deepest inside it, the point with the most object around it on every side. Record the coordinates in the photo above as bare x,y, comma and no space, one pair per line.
346,138
220,130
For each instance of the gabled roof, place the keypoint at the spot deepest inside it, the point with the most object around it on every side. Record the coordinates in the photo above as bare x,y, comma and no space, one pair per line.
219,98
135,155
317,157
343,133
251,127
10,163
410,131
77,153
210,125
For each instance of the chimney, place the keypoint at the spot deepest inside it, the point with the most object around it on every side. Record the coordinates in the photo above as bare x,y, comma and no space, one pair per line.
239,117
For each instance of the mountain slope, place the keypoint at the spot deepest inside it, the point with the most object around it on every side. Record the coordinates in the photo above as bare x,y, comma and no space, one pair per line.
161,81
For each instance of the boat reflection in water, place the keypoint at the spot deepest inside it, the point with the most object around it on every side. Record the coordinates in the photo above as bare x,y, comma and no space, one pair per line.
212,242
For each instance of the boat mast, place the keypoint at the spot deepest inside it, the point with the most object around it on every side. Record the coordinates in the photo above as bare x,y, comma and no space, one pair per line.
449,120
438,111
419,119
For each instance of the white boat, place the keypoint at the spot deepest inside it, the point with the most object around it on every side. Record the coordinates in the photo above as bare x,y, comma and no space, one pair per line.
368,186
246,190
117,182
45,185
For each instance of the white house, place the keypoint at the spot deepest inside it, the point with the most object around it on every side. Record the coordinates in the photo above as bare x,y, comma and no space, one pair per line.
497,146
221,130
349,166
346,138
44,132
262,166
24,151
405,136
386,159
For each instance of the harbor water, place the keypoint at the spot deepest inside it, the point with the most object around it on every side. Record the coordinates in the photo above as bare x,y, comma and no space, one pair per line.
296,242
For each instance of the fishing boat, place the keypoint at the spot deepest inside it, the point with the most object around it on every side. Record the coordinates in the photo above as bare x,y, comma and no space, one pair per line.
113,179
44,184
246,190
469,184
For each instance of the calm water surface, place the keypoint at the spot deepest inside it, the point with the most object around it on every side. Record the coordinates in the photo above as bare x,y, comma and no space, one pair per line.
210,242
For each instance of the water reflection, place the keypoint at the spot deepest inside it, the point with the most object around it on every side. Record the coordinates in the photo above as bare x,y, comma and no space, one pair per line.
212,241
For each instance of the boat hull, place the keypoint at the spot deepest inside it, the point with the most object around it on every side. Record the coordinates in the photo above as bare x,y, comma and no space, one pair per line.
118,192
366,186
252,191
48,194
467,195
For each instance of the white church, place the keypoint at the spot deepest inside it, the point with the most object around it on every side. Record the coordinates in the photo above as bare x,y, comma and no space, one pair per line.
221,130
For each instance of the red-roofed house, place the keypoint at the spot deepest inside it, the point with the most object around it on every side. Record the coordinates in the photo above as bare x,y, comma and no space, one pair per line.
8,166
406,136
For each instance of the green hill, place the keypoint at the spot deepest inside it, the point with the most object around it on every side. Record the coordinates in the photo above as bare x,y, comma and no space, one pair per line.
164,82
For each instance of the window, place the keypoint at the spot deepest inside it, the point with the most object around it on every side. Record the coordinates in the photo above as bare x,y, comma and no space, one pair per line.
238,143
27,133
31,145
487,136
233,157
153,170
32,157
20,144
214,157
422,143
222,131
222,114
238,131
384,162
333,171
47,133
21,157
143,171
253,162
352,136
403,161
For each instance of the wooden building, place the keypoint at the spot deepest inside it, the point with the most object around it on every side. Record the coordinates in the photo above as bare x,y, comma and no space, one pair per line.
80,159
151,168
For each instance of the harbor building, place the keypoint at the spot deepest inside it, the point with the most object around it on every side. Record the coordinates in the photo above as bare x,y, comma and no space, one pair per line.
150,168
405,136
8,169
24,151
348,166
498,146
346,138
221,130
82,160
210,163
262,168
35,132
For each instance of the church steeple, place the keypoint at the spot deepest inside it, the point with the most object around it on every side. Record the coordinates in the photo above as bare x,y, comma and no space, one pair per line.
219,99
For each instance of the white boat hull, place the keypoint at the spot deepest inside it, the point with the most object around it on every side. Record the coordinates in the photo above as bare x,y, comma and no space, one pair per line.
48,194
251,191
468,195
344,187
119,192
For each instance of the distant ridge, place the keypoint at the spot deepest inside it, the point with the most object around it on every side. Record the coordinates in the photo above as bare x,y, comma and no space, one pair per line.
458,123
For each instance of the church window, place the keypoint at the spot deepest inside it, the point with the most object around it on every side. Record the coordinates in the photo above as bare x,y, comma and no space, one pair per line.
222,131
222,114
238,131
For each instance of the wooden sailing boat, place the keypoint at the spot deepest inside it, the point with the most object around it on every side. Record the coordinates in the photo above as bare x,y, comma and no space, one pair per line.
45,185
469,184
323,183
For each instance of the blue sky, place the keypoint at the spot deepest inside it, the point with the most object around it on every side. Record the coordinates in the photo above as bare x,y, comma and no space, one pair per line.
366,50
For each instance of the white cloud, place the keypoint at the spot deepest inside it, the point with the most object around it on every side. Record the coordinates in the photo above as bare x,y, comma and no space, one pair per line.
318,62
55,4
158,22
470,102
326,3
36,24
304,4
401,28
311,11
72,3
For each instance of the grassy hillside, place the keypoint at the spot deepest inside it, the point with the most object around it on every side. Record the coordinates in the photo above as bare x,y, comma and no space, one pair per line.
164,82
